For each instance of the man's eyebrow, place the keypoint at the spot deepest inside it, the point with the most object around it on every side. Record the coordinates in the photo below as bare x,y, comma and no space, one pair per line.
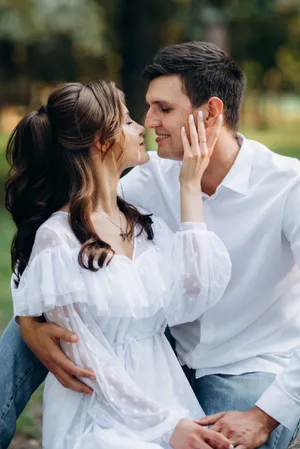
167,103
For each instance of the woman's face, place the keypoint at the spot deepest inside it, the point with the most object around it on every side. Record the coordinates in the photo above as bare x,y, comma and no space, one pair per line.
132,142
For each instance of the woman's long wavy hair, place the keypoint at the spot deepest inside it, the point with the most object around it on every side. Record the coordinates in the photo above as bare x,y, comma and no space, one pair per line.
50,166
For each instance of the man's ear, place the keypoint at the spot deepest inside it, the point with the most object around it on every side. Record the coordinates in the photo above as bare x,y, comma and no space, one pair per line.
214,108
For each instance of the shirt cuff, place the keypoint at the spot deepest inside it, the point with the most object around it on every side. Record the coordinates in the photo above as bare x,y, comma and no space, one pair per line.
167,436
280,406
193,226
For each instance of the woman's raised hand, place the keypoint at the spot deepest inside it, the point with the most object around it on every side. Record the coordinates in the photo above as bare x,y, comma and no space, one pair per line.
198,150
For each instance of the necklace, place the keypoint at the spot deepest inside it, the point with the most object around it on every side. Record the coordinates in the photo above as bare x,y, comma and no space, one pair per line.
123,234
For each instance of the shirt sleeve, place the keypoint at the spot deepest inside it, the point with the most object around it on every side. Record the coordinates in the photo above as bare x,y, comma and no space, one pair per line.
282,399
196,268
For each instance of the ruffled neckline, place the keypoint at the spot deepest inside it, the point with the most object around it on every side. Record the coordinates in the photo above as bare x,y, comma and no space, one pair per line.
117,256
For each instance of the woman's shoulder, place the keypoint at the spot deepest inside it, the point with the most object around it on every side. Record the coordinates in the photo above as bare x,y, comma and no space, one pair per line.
54,232
161,231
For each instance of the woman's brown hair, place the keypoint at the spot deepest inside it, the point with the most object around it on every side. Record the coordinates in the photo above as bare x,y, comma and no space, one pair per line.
48,153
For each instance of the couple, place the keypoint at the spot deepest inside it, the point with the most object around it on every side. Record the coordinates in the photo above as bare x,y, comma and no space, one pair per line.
240,350
111,273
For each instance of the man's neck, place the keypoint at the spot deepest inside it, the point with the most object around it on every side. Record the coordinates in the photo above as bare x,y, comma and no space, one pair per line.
221,161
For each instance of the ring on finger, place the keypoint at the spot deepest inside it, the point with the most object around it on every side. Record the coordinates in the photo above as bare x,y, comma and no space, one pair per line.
202,141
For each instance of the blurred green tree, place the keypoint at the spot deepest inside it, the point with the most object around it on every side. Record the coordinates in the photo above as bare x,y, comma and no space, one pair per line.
49,41
57,40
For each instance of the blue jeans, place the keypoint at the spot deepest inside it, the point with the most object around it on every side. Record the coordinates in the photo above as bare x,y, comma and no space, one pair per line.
217,393
21,374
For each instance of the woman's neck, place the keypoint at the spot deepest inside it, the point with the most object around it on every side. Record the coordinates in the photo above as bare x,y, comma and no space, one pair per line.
106,184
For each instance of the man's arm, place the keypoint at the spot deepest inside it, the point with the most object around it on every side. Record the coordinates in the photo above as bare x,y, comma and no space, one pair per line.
44,341
247,430
282,399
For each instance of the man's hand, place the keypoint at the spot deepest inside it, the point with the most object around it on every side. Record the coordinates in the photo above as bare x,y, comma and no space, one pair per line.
43,340
189,435
246,430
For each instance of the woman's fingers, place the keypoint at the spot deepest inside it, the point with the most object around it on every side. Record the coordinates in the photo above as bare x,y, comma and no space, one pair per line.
193,136
202,134
198,443
185,142
198,142
197,151
214,439
218,441
215,134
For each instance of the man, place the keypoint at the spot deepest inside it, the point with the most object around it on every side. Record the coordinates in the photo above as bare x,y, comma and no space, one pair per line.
239,348
244,353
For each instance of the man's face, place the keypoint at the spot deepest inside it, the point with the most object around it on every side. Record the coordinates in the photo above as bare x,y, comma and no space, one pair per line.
169,108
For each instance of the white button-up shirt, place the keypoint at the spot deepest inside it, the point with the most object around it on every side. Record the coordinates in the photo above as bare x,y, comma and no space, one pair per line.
256,325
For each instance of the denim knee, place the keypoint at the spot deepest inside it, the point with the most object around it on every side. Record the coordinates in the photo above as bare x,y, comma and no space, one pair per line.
20,375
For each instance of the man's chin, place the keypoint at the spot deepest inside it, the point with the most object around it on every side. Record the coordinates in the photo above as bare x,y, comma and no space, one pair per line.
165,153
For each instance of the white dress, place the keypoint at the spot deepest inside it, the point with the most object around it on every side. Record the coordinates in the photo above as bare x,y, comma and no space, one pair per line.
120,313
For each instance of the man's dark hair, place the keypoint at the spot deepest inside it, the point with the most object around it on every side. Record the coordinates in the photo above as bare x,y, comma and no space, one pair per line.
206,71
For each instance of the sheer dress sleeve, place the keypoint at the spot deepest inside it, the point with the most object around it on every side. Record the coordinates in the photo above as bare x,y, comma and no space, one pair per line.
196,268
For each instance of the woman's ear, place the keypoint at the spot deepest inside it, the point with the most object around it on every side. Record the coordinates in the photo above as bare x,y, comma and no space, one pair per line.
102,149
96,144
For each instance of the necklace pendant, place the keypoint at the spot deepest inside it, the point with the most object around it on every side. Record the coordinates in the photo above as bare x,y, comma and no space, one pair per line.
123,234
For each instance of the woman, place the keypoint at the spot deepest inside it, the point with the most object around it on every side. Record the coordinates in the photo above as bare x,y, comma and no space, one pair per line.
116,276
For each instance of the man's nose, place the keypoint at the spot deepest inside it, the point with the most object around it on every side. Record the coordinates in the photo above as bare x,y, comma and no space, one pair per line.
151,120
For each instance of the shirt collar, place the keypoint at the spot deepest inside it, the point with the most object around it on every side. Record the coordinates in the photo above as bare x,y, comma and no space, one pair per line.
238,177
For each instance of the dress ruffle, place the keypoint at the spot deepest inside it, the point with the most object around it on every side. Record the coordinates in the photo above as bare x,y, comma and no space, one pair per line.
170,273
54,279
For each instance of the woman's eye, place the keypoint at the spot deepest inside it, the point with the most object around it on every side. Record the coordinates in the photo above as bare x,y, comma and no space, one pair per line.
165,110
129,123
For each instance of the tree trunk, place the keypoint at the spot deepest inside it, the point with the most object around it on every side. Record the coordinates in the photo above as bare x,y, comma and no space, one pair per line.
142,28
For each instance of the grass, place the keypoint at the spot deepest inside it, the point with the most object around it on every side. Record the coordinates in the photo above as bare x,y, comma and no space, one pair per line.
282,141
6,232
